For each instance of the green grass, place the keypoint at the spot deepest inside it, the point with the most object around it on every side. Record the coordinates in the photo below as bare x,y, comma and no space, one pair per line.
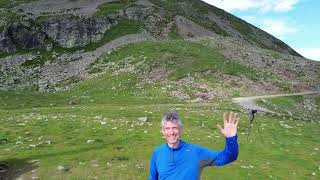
318,101
288,102
240,26
181,56
58,136
108,89
5,54
112,7
295,107
174,32
4,3
11,4
109,8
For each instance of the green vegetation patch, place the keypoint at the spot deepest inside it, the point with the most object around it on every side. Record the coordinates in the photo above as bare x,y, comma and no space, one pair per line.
20,51
11,4
109,8
174,32
318,101
112,7
294,107
180,57
240,26
289,102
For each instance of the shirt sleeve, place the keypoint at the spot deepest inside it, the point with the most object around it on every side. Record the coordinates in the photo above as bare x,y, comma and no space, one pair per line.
230,152
153,168
219,158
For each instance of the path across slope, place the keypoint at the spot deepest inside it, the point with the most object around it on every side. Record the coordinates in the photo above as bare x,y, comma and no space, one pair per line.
250,102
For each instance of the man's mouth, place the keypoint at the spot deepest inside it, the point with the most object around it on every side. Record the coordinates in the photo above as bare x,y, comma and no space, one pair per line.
172,138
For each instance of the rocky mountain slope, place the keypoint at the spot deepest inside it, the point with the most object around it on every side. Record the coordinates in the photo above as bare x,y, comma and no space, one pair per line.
48,45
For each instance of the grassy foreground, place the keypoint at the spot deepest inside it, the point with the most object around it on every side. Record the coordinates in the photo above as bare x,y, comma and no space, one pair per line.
50,138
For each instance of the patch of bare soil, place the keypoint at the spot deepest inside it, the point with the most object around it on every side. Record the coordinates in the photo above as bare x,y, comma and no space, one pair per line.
14,168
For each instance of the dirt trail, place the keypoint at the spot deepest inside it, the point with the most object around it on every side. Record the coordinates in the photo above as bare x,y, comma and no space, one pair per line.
250,102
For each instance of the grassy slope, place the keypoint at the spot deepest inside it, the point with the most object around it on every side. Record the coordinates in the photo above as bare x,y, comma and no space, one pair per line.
95,110
305,108
181,56
113,7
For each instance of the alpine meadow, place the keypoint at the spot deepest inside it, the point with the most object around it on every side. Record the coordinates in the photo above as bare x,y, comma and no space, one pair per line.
84,85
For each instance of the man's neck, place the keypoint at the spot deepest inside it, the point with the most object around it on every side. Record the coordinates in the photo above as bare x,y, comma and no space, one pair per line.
174,146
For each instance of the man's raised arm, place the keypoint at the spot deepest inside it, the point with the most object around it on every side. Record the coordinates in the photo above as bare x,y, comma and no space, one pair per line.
231,150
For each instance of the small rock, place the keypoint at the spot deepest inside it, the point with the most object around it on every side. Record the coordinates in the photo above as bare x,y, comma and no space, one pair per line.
91,141
143,119
285,126
247,167
60,168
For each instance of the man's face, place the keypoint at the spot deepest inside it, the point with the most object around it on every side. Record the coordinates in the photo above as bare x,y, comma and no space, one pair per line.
171,131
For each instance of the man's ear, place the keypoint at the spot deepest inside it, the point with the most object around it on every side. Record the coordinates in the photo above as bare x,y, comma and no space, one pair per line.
162,131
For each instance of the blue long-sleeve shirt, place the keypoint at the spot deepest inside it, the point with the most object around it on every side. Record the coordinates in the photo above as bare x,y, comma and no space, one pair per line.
187,161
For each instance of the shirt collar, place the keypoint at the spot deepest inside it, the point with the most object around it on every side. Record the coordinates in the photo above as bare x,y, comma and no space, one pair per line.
181,144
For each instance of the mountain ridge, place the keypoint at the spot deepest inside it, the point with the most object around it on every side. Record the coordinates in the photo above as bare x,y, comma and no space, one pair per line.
66,39
215,20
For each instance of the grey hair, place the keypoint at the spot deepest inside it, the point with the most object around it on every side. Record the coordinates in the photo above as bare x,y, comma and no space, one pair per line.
171,117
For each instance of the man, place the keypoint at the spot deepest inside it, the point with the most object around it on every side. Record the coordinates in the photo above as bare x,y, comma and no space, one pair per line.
178,159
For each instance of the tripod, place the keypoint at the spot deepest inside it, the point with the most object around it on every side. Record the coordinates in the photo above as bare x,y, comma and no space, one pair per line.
252,113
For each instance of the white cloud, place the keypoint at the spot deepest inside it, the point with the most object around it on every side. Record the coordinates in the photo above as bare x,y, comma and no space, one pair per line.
310,53
263,5
284,6
278,28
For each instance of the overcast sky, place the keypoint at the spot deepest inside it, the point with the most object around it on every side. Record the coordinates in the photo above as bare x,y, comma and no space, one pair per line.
295,22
